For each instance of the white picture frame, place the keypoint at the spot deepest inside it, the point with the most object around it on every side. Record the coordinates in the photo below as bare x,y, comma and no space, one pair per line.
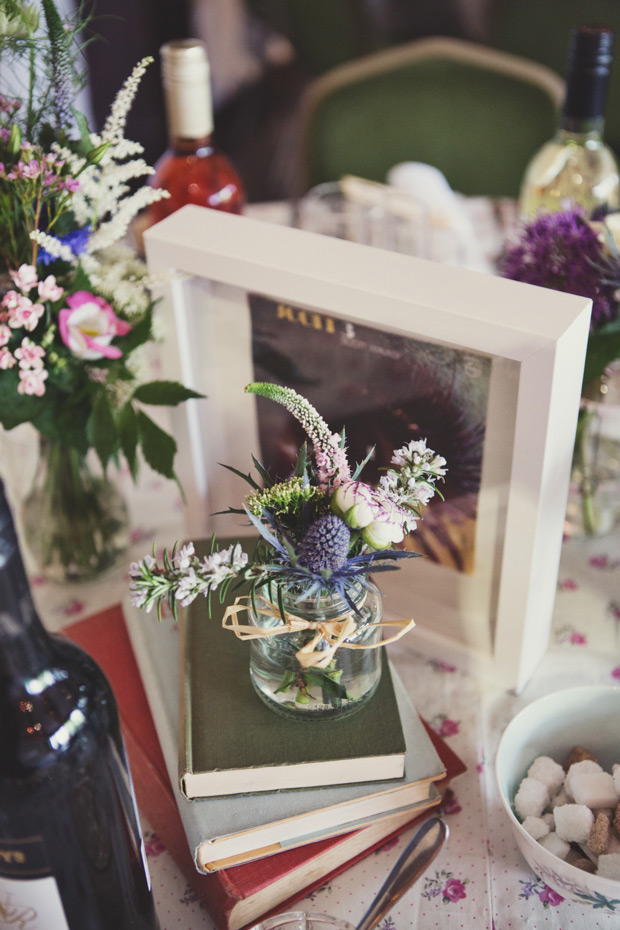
496,620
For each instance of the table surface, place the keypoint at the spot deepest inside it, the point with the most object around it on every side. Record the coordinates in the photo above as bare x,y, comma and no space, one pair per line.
479,879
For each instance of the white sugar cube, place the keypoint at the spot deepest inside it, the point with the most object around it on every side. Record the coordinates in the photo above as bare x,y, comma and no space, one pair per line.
531,798
609,866
555,845
560,798
573,822
549,772
586,766
536,827
616,775
596,789
549,820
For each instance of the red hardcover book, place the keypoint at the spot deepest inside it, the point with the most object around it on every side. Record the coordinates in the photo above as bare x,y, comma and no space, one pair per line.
241,895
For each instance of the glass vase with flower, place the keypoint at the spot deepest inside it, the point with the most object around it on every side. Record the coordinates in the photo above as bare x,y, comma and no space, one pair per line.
569,250
313,611
75,307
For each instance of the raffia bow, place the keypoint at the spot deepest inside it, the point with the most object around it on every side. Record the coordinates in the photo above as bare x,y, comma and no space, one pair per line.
333,632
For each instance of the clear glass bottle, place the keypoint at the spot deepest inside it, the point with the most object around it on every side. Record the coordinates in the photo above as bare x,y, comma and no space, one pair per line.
342,686
71,851
191,170
576,166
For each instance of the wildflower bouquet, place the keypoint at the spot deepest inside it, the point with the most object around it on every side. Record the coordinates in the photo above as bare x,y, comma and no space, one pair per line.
322,532
579,254
75,304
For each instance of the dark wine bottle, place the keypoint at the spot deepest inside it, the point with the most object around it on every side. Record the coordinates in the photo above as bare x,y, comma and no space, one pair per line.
71,850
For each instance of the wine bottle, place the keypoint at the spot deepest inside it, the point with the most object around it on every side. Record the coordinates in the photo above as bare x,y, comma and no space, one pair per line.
71,851
192,170
576,166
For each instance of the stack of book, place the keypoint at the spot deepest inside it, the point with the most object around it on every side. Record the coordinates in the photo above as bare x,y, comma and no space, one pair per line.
256,810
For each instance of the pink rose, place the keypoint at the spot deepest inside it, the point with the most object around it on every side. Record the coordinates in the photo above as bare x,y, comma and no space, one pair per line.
454,890
550,897
88,326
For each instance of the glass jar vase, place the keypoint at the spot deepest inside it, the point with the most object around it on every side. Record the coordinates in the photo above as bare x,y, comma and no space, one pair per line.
304,684
594,500
75,521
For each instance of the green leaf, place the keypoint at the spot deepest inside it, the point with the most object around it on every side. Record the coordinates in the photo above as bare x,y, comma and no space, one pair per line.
139,333
128,435
164,393
603,348
157,446
101,429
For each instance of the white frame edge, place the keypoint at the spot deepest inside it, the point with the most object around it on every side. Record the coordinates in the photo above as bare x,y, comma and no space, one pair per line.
543,331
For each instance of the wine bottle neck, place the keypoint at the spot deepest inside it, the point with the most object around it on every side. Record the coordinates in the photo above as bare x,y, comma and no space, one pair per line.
587,78
582,130
201,147
187,90
24,642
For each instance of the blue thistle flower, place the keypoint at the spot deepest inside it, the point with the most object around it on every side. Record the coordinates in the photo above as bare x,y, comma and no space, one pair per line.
325,545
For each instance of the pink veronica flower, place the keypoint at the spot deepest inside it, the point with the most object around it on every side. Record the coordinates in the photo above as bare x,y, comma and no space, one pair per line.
5,334
88,326
30,355
6,359
32,382
49,290
25,277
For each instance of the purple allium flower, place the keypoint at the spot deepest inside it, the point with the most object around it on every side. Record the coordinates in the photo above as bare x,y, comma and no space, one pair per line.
326,544
562,251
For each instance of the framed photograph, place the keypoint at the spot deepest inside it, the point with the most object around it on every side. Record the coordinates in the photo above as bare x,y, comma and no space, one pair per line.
391,348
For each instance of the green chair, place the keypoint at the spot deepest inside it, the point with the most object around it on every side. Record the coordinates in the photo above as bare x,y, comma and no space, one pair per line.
475,113
541,32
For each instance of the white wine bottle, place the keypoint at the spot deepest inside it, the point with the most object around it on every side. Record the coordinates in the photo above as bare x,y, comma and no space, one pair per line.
576,166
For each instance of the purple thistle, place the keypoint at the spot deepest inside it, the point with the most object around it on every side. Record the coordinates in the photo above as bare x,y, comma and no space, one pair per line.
563,252
325,545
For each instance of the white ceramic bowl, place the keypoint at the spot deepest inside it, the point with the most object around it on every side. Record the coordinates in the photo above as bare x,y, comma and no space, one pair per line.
551,726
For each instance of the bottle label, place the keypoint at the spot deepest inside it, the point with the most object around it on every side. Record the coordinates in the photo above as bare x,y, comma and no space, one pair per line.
29,896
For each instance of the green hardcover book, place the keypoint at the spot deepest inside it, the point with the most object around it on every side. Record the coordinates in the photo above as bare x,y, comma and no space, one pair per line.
231,743
224,831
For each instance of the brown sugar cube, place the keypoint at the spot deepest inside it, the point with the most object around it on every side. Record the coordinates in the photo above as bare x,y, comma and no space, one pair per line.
577,754
599,835
584,864
616,820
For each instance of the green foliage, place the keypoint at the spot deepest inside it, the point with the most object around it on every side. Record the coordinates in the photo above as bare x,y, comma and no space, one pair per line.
164,393
157,446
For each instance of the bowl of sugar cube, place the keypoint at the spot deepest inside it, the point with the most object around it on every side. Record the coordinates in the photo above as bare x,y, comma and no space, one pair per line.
558,773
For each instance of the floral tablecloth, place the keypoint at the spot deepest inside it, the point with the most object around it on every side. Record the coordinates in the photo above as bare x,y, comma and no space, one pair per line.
479,880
